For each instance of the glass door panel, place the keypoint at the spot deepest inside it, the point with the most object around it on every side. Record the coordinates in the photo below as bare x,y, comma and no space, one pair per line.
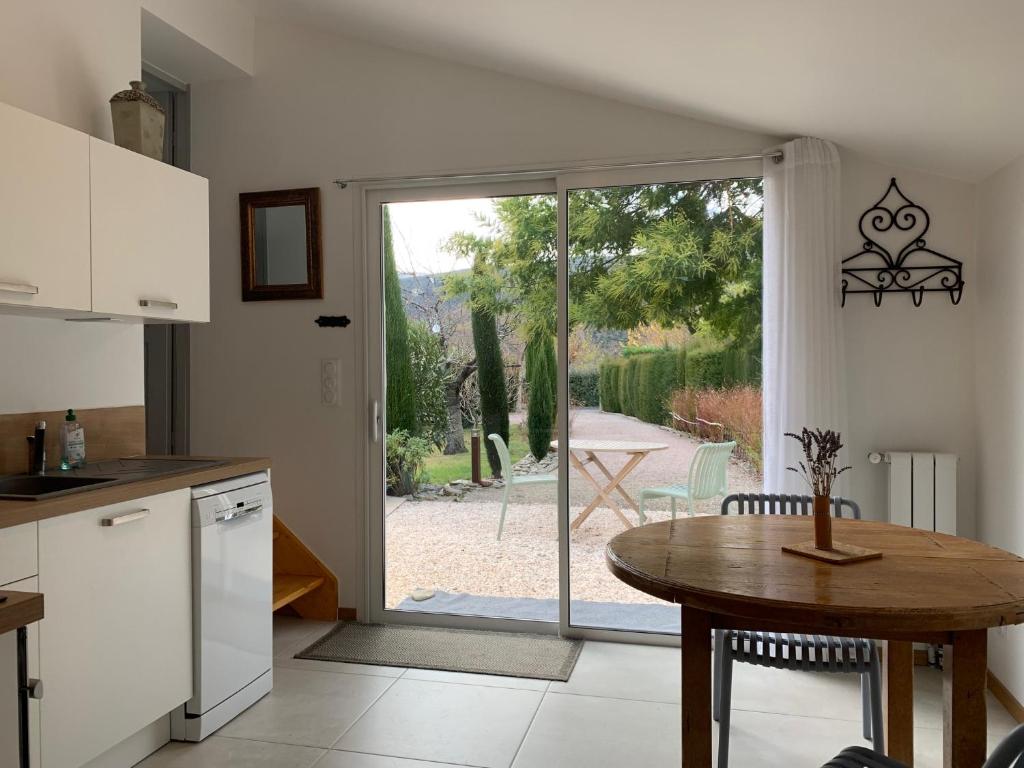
664,312
469,525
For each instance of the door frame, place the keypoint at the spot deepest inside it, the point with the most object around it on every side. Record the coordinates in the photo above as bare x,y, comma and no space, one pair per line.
367,199
166,360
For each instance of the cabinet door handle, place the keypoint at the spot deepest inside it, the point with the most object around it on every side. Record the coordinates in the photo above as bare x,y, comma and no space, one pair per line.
127,517
19,288
158,304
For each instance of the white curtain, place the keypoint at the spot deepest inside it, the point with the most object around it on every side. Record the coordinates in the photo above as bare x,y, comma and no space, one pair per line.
803,354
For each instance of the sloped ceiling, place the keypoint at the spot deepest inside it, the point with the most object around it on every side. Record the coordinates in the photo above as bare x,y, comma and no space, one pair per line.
930,84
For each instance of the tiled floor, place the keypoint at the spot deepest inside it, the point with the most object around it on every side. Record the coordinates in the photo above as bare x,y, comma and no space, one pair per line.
621,708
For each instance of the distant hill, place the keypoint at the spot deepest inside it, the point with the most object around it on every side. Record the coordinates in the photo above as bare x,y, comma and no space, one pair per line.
424,291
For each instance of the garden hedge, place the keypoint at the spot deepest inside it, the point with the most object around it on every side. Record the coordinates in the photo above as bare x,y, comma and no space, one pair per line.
584,388
641,384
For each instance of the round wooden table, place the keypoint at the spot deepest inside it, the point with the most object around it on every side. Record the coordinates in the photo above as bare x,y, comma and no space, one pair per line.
584,453
729,572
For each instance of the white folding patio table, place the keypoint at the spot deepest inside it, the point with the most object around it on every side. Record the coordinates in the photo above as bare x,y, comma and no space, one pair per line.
583,453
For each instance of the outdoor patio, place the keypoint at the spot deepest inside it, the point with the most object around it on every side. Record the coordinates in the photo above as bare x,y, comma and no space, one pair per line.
450,546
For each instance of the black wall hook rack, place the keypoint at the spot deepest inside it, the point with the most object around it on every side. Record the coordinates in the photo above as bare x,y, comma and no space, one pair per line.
332,321
907,265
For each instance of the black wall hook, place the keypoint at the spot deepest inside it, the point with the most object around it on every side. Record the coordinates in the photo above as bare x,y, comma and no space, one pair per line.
333,321
913,267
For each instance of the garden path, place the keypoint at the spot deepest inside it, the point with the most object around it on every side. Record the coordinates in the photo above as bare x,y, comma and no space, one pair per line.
450,545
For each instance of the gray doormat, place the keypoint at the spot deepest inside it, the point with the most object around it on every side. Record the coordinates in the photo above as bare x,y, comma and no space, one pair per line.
512,654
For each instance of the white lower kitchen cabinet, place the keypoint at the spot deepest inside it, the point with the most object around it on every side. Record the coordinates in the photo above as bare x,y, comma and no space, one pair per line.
115,646
19,558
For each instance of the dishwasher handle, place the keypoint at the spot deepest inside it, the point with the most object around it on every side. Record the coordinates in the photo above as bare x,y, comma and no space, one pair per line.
240,513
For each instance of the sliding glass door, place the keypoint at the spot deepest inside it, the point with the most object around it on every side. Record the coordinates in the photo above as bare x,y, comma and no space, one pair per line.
465,529
545,359
663,345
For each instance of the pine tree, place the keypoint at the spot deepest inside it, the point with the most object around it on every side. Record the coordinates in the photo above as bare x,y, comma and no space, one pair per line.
490,374
541,378
401,392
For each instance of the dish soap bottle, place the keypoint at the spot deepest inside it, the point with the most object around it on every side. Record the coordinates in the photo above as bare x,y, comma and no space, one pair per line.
72,442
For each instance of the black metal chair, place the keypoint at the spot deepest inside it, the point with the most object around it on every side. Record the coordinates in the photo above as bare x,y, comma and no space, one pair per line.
817,653
1007,755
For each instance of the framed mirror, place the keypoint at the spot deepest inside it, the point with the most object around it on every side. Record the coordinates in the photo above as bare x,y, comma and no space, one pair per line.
281,245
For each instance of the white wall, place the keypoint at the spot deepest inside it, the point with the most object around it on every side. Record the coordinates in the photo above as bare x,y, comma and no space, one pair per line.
50,365
223,29
910,370
63,61
318,108
1000,384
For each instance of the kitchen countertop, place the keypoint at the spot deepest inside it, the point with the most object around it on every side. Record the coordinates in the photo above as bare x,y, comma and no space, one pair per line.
19,609
17,512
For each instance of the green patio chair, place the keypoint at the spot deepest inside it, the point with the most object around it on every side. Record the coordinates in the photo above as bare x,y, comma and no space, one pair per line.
510,479
706,479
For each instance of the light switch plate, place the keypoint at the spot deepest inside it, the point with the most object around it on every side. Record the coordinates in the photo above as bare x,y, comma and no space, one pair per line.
330,381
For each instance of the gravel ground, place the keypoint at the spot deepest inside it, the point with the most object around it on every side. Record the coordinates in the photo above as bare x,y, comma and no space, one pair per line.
450,545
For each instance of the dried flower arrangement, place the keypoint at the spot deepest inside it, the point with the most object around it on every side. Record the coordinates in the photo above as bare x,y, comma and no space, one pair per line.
821,453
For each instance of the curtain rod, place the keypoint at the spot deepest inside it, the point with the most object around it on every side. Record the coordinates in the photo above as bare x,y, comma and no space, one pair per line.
775,156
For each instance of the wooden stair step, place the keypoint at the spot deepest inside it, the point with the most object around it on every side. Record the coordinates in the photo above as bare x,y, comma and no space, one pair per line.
301,580
289,587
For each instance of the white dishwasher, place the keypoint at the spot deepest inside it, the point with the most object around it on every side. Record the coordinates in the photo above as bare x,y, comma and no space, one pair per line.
232,597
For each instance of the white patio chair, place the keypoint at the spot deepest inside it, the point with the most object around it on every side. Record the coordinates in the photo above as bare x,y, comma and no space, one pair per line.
513,480
706,479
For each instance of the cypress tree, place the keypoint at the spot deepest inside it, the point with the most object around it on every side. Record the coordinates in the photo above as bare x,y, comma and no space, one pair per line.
490,372
541,382
401,394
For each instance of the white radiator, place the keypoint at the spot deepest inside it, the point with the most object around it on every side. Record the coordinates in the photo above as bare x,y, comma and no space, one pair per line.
922,490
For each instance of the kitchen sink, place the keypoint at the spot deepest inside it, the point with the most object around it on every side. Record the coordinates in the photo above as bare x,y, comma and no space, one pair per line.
32,487
98,474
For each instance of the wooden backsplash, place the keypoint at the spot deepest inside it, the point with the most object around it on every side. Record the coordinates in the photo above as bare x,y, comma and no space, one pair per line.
109,433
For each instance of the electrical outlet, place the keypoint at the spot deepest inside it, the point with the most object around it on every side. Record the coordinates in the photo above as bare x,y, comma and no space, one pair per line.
330,381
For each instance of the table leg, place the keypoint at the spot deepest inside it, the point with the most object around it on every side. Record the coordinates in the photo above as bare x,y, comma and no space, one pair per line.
964,724
898,699
581,467
696,663
635,459
602,492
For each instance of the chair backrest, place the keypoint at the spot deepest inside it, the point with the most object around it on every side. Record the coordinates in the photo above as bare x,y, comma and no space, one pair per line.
783,504
708,470
1009,752
503,454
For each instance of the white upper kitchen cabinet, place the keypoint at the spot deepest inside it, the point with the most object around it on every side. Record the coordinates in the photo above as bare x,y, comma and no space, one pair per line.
150,238
44,213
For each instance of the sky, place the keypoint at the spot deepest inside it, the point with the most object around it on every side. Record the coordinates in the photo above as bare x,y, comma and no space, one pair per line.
420,229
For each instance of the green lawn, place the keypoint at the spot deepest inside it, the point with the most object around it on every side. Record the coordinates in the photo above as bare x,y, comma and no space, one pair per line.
441,469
